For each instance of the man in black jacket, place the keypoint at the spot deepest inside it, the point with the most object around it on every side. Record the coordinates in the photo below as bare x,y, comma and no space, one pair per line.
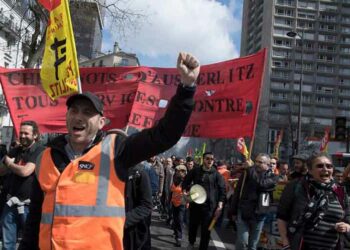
138,207
202,214
20,166
84,121
254,182
299,168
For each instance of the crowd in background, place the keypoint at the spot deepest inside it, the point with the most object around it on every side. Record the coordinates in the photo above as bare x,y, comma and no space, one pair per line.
312,211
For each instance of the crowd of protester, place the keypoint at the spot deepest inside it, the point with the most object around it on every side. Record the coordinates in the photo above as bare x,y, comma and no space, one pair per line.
312,213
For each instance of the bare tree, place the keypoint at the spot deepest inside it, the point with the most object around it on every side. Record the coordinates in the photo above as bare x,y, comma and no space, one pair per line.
117,11
121,16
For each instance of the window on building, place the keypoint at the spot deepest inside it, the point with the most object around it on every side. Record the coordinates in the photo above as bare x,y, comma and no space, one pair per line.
125,62
101,63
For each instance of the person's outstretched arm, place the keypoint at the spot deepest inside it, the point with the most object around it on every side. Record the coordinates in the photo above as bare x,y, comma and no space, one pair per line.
168,130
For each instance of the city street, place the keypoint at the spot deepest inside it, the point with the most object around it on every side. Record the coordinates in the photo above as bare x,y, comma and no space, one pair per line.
162,237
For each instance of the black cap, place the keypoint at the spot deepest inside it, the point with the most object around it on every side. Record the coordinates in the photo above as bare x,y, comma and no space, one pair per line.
96,102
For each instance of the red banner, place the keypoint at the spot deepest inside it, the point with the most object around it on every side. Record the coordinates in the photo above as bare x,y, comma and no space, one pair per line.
226,101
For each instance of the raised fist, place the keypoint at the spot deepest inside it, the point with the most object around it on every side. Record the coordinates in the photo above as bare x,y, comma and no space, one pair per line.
188,68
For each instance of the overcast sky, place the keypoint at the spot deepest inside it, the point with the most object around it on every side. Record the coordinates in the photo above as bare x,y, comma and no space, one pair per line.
210,29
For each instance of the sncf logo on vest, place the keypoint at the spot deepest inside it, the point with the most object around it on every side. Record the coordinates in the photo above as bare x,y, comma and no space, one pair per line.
84,165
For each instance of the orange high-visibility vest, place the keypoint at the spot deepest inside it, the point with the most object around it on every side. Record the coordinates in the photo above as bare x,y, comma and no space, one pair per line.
176,196
83,206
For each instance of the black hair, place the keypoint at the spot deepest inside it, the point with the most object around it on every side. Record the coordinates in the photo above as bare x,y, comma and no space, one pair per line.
189,158
280,163
207,153
35,127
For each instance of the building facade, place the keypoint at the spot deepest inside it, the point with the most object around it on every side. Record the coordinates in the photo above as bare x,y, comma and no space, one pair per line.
114,59
87,21
316,57
15,35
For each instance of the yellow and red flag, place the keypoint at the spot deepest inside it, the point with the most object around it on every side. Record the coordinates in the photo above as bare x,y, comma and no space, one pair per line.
60,70
276,147
242,148
325,140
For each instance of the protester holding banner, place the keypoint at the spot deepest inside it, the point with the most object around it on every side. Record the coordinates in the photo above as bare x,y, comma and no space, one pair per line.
20,164
314,211
202,214
82,173
251,200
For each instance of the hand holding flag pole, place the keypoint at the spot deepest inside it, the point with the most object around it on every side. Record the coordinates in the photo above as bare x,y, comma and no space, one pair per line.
242,148
217,214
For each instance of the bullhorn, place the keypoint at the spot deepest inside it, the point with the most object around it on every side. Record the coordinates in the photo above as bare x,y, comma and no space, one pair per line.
197,194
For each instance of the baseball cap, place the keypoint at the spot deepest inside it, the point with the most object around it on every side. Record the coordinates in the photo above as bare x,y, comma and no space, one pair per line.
96,102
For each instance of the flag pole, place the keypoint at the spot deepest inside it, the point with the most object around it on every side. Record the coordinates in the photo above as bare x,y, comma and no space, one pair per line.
257,109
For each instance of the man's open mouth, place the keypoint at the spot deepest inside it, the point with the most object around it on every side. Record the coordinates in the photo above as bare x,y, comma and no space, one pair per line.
75,128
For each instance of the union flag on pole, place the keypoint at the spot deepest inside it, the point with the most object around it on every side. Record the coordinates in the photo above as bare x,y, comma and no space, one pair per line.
242,148
60,71
276,147
325,140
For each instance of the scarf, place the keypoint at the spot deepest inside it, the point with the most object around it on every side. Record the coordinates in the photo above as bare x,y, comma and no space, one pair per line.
317,206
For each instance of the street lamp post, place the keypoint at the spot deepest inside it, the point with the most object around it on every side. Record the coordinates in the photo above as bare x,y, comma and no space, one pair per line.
294,34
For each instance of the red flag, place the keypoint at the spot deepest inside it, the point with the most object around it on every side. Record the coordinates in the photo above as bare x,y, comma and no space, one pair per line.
49,4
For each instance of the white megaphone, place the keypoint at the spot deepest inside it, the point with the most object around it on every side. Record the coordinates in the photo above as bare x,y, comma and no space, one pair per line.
197,194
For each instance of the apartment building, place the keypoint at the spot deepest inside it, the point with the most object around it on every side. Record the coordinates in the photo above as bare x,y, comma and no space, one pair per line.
87,20
15,34
316,57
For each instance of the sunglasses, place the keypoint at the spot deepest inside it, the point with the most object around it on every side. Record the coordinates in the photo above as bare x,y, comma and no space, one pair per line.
322,165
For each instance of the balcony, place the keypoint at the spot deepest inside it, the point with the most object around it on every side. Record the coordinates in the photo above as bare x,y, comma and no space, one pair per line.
285,3
11,30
